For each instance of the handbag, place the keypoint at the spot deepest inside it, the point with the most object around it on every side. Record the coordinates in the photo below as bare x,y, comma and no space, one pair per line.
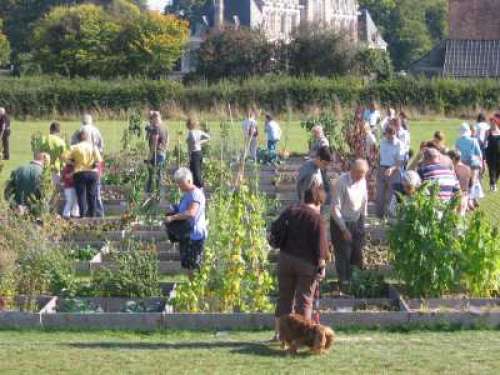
279,228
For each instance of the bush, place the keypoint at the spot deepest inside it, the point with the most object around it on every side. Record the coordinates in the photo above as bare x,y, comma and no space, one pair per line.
318,51
119,40
436,252
50,96
232,52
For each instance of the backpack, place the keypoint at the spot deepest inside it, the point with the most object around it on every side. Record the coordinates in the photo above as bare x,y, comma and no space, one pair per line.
279,228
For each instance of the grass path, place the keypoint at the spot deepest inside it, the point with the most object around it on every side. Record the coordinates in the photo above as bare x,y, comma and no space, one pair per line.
460,352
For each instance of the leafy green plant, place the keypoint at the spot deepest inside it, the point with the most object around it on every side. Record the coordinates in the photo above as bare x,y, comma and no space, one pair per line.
367,284
480,257
334,129
234,275
434,251
134,274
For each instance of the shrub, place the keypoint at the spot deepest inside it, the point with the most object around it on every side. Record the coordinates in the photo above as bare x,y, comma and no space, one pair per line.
436,252
232,52
92,41
50,96
319,51
4,47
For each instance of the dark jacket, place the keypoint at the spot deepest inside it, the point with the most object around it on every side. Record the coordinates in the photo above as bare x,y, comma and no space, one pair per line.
305,234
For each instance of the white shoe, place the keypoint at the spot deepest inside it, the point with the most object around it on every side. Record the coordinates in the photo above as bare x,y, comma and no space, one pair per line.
493,188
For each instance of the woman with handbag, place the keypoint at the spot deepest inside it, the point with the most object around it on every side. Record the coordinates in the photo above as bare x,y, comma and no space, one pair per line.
191,211
300,234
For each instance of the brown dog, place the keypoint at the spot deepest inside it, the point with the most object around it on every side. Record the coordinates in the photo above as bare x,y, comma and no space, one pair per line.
296,331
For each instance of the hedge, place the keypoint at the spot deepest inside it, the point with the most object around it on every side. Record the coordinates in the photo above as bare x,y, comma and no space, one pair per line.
42,96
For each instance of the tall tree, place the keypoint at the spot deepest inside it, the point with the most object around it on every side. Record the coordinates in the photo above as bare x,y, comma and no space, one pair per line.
411,28
119,40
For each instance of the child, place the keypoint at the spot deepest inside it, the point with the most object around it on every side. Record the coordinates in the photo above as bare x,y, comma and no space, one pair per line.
71,203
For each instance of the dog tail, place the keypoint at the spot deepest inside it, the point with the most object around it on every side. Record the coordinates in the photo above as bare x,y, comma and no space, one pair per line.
330,338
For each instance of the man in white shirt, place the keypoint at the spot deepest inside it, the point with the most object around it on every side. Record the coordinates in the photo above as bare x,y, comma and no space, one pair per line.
349,209
391,159
404,137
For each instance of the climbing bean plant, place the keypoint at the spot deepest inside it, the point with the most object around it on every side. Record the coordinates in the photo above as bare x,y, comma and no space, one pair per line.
234,275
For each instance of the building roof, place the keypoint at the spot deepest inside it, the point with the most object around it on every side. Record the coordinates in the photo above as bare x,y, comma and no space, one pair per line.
472,58
461,59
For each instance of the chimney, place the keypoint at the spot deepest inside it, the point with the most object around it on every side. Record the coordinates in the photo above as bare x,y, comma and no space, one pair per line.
219,14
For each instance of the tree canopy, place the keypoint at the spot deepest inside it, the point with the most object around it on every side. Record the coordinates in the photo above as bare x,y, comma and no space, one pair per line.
119,40
4,47
411,28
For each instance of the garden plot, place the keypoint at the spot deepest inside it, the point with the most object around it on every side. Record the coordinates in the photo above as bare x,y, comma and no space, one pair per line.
105,313
22,311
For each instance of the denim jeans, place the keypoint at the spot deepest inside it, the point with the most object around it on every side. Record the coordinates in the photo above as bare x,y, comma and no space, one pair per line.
86,192
155,172
272,149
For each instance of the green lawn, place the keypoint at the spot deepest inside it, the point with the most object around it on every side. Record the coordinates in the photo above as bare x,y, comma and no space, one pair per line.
369,352
294,137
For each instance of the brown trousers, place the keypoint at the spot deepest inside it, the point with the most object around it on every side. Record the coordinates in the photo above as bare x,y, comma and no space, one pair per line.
348,254
297,280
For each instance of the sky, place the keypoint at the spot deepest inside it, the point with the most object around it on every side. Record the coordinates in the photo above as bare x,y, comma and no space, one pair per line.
157,4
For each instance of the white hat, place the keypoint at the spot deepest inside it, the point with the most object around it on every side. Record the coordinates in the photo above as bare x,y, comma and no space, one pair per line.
465,130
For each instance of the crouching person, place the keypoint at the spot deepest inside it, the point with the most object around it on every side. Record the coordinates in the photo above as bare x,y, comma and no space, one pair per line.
191,210
304,250
350,203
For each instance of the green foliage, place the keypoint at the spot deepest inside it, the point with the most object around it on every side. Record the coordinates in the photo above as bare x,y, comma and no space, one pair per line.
4,47
367,284
136,273
191,10
436,252
374,62
232,52
318,51
481,257
234,275
411,30
42,96
334,129
92,41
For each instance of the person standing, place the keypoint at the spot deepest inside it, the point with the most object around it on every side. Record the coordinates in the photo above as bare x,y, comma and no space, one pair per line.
55,146
250,135
391,158
493,152
71,208
314,172
96,139
434,171
5,133
86,158
347,225
25,182
195,140
404,137
273,134
158,140
372,116
192,209
319,141
471,156
464,176
303,254
482,127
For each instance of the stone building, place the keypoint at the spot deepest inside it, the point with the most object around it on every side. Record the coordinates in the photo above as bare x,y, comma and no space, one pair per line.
473,45
279,18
